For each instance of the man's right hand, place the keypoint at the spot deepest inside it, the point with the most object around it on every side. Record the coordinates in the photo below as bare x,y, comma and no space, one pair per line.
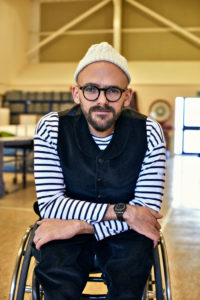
144,221
55,229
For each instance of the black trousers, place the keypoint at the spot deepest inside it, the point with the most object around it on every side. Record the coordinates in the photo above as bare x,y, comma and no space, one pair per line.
126,260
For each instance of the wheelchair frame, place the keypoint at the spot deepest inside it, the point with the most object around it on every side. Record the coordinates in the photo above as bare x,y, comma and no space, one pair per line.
157,287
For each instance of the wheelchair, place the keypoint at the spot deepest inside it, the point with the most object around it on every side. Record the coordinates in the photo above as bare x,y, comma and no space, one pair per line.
24,284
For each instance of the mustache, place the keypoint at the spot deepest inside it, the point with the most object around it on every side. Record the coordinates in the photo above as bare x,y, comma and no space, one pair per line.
100,108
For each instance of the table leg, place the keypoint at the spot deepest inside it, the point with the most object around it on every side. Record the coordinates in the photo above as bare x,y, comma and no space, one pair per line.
2,185
24,168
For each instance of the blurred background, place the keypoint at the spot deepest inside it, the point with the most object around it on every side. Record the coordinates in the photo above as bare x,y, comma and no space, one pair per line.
41,42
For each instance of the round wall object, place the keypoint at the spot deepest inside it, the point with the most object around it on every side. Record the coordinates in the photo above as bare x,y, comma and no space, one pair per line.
160,110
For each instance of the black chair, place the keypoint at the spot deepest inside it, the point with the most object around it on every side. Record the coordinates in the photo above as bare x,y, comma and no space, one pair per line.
157,286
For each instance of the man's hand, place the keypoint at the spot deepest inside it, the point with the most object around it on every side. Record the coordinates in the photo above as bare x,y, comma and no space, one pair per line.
144,221
56,229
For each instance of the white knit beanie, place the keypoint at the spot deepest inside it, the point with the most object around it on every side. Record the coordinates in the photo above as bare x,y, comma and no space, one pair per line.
103,52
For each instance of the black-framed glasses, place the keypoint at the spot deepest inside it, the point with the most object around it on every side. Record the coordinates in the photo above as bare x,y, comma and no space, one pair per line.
92,92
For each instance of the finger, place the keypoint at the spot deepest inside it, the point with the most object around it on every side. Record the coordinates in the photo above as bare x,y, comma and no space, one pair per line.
41,221
158,226
155,242
37,234
153,234
156,214
37,230
160,216
157,237
152,220
39,244
36,239
42,242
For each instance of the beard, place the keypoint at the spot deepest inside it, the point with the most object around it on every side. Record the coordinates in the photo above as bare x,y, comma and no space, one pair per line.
102,122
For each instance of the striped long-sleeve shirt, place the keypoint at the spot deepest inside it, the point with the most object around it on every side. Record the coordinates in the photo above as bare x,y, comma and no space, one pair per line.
51,188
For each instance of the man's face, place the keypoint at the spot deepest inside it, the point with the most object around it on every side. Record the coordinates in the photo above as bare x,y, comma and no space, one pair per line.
101,114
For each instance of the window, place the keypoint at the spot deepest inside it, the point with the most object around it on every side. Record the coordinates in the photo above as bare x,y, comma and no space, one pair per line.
187,125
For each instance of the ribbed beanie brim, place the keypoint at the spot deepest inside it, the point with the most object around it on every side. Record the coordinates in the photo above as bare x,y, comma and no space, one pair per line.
103,52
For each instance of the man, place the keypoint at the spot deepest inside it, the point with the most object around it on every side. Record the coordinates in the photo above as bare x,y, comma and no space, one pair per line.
99,171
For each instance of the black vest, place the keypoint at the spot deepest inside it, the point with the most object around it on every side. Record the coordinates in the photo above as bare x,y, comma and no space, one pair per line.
107,176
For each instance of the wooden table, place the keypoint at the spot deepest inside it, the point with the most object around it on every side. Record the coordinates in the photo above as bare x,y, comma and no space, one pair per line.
24,143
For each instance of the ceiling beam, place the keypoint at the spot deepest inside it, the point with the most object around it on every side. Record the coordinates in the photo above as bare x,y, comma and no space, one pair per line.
35,26
157,29
78,32
193,38
68,26
110,31
117,24
58,1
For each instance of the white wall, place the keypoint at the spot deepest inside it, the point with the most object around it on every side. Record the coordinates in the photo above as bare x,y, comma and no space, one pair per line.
146,73
14,30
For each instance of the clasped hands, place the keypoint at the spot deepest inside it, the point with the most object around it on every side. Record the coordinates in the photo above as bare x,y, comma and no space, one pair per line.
142,219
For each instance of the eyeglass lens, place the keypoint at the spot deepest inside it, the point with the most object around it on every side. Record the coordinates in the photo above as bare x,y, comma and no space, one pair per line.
92,93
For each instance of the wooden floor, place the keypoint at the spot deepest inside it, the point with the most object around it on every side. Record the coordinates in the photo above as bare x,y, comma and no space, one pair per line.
181,226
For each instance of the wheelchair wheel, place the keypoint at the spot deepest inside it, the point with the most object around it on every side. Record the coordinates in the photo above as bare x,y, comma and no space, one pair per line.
20,287
158,284
165,268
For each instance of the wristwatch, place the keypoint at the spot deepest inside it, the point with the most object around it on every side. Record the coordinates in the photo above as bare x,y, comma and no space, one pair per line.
119,209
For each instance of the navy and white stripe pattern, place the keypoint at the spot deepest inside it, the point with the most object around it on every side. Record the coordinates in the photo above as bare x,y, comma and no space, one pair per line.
51,189
150,184
102,142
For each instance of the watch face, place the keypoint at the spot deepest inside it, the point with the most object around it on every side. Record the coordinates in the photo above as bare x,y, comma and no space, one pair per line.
120,207
119,210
